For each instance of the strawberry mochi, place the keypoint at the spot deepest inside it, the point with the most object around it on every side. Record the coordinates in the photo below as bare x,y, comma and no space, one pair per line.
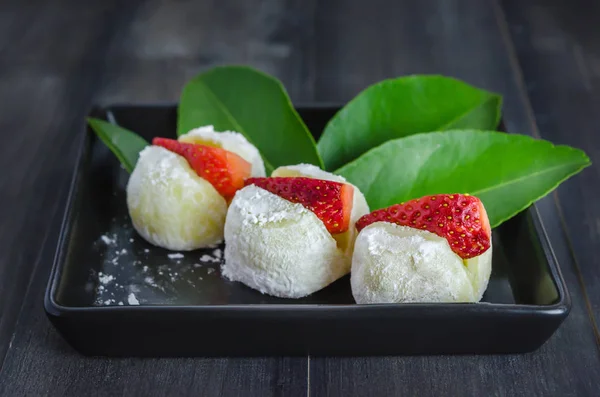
178,193
284,234
330,201
359,203
224,170
432,249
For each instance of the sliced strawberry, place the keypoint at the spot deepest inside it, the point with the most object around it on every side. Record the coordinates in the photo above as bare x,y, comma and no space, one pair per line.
330,201
459,218
225,170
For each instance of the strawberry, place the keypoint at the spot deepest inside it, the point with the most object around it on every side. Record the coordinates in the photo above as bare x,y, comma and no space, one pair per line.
330,201
224,170
459,218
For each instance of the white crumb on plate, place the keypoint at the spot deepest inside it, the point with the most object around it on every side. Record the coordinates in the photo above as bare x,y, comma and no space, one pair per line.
150,281
146,250
176,255
132,300
131,240
208,258
105,278
210,270
145,269
107,240
123,251
217,253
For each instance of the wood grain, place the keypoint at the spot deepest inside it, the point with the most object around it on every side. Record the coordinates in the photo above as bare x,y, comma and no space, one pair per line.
465,39
79,54
57,58
559,53
37,115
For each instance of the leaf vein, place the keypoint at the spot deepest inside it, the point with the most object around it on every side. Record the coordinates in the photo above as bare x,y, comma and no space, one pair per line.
465,114
523,178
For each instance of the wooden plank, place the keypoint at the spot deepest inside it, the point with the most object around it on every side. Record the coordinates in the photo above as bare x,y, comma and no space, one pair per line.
34,119
558,47
327,53
176,43
362,42
76,55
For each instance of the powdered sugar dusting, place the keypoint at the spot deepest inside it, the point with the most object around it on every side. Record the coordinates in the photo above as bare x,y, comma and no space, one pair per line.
150,281
258,206
208,258
105,278
164,168
132,271
107,240
132,300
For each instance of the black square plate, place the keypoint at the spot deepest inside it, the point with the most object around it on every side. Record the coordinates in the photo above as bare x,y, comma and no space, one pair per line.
112,294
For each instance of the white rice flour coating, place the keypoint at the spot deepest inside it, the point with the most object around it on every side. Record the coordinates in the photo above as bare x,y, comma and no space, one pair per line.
395,264
278,247
228,140
170,205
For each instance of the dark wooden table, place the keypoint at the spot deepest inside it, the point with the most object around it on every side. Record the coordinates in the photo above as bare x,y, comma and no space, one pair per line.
57,58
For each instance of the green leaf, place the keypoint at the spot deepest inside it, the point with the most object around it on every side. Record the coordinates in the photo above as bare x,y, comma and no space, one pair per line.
508,172
125,144
404,106
255,104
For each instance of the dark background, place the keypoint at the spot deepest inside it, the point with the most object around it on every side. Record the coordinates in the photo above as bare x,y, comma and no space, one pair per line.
57,58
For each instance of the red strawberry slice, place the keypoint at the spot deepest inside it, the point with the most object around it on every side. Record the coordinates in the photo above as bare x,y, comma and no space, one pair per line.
330,201
459,218
225,170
